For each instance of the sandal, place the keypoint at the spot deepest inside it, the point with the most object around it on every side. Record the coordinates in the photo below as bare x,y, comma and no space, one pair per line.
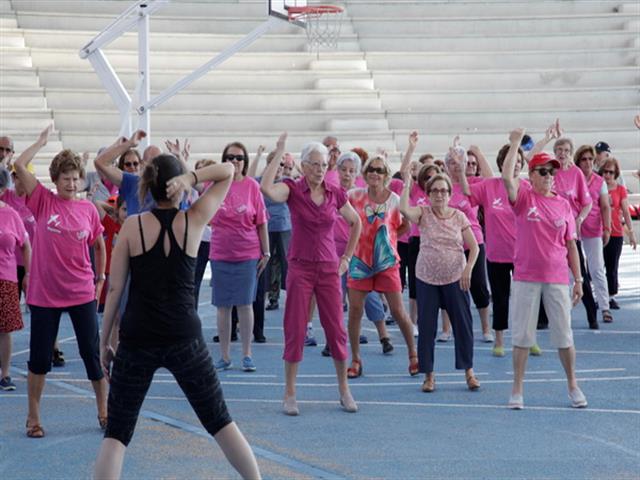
34,431
429,385
414,365
606,316
472,383
355,370
102,421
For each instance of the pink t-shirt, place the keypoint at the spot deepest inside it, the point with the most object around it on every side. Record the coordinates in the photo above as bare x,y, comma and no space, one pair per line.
234,233
544,225
19,204
417,198
460,201
499,219
592,226
61,273
571,185
312,226
376,249
333,177
441,258
12,236
396,185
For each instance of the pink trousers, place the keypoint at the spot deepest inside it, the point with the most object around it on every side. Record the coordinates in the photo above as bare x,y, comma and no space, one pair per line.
303,280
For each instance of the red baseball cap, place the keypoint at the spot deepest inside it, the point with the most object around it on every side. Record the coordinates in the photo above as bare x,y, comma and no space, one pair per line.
543,158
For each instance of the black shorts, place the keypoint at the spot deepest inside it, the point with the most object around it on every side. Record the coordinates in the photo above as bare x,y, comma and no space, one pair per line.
191,365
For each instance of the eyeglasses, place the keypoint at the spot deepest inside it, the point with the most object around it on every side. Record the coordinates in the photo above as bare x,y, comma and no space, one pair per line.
472,164
131,164
439,191
231,158
609,172
378,170
6,149
543,172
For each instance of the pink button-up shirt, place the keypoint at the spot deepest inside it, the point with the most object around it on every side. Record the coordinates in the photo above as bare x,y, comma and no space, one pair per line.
312,225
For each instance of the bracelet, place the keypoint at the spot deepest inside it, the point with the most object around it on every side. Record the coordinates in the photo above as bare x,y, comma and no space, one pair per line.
579,280
195,177
100,277
346,257
266,254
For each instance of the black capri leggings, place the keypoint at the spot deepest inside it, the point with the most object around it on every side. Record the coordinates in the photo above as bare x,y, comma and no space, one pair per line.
479,288
403,251
414,249
44,330
192,367
612,252
500,281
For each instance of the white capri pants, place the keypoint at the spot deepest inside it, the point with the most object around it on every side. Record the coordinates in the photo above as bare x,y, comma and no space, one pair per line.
524,305
595,264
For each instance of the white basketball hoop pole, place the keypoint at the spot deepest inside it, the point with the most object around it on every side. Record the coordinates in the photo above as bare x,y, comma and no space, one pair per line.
137,15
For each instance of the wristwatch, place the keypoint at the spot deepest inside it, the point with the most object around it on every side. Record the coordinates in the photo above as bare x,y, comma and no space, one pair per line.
579,280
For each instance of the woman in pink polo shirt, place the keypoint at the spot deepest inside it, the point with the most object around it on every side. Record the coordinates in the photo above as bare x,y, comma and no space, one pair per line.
61,275
570,184
239,253
546,238
13,239
596,228
314,267
376,263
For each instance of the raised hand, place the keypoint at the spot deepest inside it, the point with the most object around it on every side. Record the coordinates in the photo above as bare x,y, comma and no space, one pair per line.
558,129
186,150
413,139
173,148
456,140
260,151
282,140
44,135
516,135
137,137
636,121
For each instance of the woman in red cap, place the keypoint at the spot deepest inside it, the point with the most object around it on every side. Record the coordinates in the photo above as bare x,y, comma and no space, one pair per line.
546,238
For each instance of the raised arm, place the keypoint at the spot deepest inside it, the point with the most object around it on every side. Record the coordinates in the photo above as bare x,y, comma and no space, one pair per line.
509,166
278,192
412,214
182,154
355,227
411,148
104,161
253,165
483,165
554,131
28,179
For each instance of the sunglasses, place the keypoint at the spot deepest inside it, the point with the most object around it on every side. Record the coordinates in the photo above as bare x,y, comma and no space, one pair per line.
610,172
131,164
378,170
6,149
543,172
439,191
231,158
472,164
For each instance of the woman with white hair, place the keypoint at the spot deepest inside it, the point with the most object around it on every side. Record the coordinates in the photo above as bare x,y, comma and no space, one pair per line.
376,263
314,267
348,166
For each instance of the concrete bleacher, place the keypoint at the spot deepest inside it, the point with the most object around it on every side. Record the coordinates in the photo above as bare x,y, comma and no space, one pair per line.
465,67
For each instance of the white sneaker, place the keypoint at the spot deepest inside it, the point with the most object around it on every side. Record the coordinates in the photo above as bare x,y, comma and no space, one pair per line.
487,337
578,400
415,330
516,402
444,337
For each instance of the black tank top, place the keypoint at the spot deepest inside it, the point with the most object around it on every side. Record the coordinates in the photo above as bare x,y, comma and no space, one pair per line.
161,306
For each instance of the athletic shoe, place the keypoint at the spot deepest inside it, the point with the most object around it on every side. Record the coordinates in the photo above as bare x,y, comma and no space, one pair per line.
387,348
613,305
310,341
415,330
326,351
487,337
260,339
578,400
7,385
248,365
536,351
363,339
390,320
498,351
444,337
223,364
58,358
234,337
516,402
272,306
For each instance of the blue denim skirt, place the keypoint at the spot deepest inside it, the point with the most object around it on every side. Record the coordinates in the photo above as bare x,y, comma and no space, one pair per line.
233,283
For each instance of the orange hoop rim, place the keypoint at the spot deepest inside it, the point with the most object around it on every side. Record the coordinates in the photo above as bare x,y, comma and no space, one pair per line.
295,12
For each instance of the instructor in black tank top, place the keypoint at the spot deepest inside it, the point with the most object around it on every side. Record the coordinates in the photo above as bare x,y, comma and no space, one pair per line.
160,327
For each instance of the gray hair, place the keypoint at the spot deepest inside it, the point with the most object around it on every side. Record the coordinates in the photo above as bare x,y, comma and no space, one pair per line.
448,158
313,147
350,157
4,178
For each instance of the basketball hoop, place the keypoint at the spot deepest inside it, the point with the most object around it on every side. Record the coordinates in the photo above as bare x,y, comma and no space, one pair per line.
322,24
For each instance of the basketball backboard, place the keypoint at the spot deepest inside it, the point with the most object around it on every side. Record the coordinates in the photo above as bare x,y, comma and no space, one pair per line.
278,8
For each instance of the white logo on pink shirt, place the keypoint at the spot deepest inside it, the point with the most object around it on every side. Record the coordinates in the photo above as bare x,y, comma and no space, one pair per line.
533,215
53,222
497,204
82,234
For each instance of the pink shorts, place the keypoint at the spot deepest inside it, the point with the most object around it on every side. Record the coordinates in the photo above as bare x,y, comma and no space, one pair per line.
386,281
